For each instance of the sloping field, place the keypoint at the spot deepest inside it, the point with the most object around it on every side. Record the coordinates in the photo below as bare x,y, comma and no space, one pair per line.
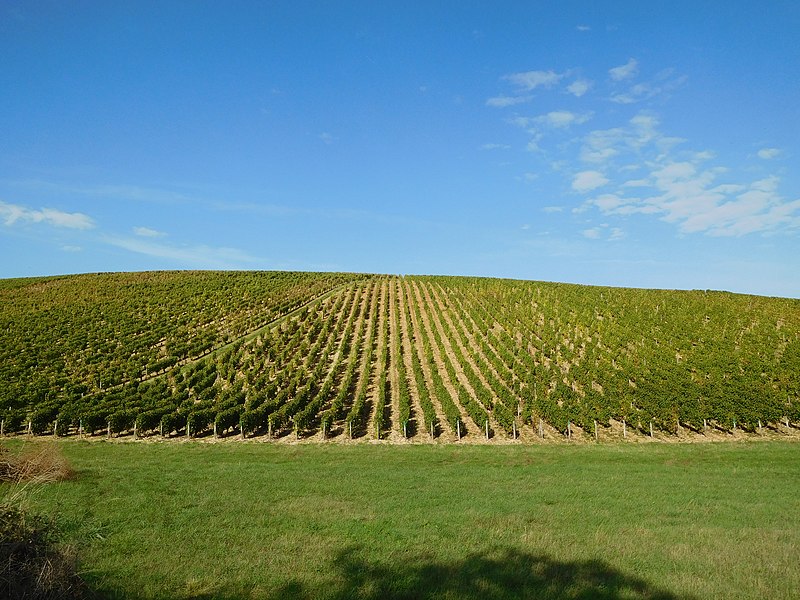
340,356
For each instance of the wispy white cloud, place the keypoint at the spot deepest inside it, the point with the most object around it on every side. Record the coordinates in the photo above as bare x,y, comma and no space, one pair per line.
502,101
494,146
600,146
13,213
108,191
604,231
626,71
147,232
530,80
194,256
326,137
694,200
579,87
768,153
562,118
586,181
662,83
634,168
592,234
583,28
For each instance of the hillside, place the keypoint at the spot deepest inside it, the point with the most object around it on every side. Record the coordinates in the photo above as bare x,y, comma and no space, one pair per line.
344,355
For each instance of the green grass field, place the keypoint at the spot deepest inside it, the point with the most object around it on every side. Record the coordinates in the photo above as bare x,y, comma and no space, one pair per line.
254,520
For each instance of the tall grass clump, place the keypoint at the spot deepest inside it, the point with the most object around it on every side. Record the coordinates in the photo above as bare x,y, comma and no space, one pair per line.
33,564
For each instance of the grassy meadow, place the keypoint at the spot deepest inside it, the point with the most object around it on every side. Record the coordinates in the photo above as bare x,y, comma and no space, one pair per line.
256,520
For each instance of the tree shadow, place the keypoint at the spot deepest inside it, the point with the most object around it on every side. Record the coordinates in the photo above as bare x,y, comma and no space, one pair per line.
506,573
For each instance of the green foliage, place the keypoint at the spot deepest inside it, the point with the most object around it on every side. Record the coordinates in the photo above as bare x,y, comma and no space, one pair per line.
304,351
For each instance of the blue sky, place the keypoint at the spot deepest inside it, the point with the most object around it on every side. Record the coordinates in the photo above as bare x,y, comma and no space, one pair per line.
643,144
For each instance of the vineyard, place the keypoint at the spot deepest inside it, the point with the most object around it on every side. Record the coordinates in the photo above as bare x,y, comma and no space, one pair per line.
274,355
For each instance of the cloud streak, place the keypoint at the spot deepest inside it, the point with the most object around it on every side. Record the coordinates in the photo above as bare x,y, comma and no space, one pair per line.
626,71
586,181
195,256
768,153
530,80
148,232
12,214
502,101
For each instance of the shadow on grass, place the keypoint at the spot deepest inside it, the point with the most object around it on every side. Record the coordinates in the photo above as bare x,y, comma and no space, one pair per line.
503,574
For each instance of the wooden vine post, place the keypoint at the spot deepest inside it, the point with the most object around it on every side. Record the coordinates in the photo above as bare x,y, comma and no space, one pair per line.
55,429
624,429
595,431
541,428
458,428
651,429
487,429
